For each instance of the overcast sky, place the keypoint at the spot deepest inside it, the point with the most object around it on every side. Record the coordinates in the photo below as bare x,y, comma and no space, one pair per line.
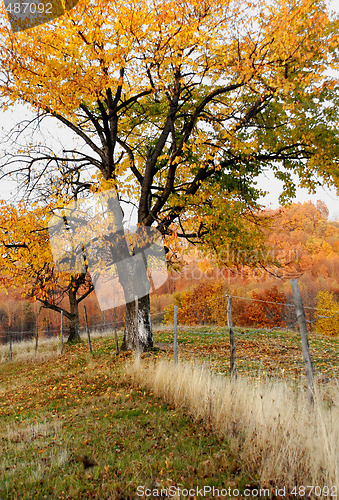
267,183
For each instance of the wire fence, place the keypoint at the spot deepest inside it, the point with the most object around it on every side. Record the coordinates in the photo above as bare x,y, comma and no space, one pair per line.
271,315
275,316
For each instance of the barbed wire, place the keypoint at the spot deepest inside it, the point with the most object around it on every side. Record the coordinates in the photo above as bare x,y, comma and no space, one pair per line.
285,304
119,323
260,300
321,317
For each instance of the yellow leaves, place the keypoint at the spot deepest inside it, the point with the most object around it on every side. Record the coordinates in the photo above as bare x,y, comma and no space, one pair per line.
28,264
327,314
64,64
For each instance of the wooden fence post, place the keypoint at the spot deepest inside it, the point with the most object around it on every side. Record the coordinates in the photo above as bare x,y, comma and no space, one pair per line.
10,345
300,312
36,337
175,341
115,330
233,366
62,332
87,331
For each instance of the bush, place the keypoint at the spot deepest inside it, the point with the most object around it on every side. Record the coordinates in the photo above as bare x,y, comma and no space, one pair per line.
266,310
327,306
204,304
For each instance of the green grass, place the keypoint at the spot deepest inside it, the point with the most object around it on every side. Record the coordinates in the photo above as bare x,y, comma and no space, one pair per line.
259,353
54,413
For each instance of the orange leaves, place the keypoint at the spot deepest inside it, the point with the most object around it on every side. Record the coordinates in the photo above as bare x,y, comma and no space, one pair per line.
267,309
304,241
202,305
25,257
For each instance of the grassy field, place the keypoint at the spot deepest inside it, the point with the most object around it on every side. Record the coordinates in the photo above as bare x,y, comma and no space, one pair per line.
59,413
259,353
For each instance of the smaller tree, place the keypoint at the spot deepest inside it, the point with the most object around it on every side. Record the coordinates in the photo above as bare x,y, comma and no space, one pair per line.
203,304
327,314
26,263
266,310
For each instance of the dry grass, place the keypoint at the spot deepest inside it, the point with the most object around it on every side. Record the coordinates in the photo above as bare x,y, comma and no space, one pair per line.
25,350
48,347
16,433
278,437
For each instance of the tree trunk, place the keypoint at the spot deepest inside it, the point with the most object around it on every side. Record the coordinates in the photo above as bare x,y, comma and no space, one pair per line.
130,262
233,365
131,268
74,335
144,328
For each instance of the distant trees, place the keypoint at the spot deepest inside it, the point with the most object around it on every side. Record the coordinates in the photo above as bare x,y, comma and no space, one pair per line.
17,317
303,240
299,241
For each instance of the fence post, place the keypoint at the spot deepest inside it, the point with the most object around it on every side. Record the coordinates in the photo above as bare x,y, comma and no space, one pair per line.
137,343
233,366
175,342
115,330
62,332
300,312
10,345
36,337
87,331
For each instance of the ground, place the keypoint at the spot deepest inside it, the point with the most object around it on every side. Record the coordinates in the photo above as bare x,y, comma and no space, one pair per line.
58,415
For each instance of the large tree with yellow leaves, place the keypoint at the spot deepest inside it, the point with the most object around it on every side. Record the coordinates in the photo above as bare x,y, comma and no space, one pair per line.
176,102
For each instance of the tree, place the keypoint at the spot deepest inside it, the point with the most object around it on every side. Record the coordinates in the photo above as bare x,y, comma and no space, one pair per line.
26,263
304,242
267,309
175,100
327,314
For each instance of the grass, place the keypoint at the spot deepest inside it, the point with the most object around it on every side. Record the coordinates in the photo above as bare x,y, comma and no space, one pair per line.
259,353
52,413
56,409
278,438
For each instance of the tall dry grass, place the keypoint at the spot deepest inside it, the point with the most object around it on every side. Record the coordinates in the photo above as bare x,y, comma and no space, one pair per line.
48,347
25,351
278,438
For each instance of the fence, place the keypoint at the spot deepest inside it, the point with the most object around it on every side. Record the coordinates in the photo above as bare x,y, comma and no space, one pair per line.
294,313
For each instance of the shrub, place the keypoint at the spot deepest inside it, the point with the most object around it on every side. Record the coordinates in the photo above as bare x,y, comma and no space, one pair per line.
266,310
204,304
327,306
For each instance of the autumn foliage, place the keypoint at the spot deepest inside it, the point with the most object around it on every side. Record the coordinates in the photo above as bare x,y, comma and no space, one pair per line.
204,304
301,242
266,309
327,314
181,106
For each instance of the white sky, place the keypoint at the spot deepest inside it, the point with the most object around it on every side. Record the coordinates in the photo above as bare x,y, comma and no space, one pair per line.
267,183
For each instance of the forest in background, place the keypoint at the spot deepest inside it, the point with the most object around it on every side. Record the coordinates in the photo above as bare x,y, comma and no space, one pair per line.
300,242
